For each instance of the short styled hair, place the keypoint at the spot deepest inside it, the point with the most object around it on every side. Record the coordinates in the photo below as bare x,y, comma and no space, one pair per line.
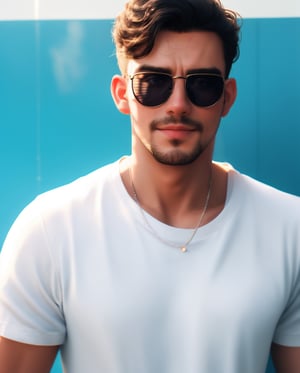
136,28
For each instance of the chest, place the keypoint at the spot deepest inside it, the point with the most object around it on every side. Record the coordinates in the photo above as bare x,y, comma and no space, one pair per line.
218,287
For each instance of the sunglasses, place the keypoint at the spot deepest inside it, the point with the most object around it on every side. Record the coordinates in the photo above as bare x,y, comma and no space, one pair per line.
155,88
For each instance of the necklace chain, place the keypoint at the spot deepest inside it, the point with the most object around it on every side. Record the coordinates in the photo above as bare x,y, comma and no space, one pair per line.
183,247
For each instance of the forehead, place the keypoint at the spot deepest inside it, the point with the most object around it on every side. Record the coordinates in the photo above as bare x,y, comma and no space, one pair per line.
181,52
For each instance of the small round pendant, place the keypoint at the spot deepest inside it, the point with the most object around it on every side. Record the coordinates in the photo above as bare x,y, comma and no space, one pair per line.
183,249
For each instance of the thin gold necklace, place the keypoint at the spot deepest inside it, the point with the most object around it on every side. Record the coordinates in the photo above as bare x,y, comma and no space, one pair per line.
184,246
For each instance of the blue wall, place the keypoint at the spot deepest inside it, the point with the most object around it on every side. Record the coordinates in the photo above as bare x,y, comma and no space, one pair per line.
58,120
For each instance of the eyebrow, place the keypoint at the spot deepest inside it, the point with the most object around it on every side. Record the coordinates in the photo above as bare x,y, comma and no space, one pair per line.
150,68
154,69
209,70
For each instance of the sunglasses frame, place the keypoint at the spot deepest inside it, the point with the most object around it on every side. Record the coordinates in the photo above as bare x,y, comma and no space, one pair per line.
131,77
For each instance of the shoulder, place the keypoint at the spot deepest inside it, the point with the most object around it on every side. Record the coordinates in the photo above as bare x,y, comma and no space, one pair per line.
256,190
80,191
62,206
261,201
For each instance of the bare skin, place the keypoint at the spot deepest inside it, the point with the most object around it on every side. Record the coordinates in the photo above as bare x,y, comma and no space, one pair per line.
187,214
177,193
286,359
23,358
18,357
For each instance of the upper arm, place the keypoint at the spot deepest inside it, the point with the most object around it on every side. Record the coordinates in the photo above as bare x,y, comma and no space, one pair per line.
286,359
25,358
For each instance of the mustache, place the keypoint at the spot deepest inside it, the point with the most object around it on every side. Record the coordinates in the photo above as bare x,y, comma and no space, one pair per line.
195,124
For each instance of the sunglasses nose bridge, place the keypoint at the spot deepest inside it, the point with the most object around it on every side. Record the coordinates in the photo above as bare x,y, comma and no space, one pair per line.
176,77
178,96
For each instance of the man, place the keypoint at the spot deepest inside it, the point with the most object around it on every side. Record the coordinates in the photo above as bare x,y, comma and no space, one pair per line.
163,261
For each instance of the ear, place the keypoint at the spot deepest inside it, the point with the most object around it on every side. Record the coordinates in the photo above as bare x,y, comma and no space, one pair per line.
118,89
230,92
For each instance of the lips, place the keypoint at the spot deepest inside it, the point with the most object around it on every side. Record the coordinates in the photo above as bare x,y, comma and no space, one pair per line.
178,132
176,127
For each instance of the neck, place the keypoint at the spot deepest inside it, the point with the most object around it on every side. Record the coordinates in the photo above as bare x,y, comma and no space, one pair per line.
175,195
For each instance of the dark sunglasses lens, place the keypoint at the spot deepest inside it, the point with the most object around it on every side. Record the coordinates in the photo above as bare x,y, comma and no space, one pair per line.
152,89
204,90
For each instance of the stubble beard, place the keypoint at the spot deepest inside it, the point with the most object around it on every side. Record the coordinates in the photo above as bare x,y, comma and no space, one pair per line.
176,157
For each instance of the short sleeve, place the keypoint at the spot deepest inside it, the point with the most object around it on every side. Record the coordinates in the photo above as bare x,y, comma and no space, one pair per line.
287,332
30,293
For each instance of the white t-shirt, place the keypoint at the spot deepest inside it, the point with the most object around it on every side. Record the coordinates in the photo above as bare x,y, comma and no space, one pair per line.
80,269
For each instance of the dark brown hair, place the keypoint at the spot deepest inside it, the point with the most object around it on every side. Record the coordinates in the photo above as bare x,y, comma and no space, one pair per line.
136,28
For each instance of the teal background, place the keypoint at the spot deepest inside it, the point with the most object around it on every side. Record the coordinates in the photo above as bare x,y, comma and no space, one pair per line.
52,133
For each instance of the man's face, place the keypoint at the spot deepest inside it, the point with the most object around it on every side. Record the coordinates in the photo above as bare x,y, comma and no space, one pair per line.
177,131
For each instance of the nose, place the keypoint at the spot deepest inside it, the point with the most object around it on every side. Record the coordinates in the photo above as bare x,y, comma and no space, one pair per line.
178,103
